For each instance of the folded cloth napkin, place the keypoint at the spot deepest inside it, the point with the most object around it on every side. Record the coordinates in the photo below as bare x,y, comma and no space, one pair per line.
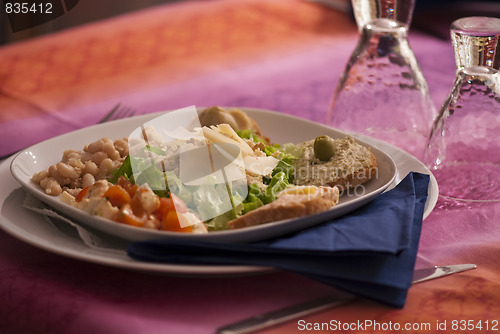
370,252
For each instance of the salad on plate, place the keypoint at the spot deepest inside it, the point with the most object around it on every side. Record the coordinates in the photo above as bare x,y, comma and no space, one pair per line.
219,173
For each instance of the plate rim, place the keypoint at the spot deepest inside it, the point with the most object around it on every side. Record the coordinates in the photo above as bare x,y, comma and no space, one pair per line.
250,234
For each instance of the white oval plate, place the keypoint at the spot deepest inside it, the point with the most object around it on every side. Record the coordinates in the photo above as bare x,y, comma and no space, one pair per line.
33,229
280,128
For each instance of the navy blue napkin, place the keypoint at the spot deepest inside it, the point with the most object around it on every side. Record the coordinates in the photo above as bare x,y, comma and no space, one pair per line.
370,252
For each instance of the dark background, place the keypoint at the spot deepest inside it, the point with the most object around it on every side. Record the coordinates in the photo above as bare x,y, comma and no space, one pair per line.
431,16
84,11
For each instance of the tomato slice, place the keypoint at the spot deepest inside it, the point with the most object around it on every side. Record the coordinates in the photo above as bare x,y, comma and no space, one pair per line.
170,222
128,186
117,196
166,205
82,194
127,216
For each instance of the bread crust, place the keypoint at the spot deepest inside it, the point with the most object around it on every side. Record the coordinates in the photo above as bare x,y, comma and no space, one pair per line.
288,206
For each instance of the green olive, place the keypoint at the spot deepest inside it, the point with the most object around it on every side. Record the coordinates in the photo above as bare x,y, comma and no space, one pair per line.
324,147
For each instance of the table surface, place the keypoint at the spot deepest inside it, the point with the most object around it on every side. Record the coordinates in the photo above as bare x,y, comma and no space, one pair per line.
283,55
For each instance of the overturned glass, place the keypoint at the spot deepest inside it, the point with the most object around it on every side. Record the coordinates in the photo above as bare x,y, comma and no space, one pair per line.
464,145
382,92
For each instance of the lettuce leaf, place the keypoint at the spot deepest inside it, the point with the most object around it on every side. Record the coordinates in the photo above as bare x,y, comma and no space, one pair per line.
205,199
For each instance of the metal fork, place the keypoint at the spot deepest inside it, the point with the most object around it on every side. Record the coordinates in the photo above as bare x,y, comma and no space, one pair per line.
118,112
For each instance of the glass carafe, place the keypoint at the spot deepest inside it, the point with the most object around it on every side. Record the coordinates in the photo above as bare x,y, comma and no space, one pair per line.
382,91
464,145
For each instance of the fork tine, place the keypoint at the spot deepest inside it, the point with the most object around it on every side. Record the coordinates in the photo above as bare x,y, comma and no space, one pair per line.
125,112
109,114
118,112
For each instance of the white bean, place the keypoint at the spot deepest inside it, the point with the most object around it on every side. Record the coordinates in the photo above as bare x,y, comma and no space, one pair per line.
44,181
98,157
53,188
68,171
109,148
106,166
91,168
40,176
53,171
93,147
121,146
69,154
87,180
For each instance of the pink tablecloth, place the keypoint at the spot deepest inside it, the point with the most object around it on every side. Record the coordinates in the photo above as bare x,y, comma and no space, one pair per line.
281,55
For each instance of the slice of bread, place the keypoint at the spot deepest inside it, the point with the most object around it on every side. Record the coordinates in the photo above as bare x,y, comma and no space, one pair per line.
352,165
293,202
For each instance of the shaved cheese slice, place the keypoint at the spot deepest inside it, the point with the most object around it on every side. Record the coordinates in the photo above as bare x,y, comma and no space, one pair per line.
227,130
217,137
260,165
223,133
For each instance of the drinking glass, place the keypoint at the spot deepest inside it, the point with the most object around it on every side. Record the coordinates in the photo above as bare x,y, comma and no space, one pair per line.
382,92
464,146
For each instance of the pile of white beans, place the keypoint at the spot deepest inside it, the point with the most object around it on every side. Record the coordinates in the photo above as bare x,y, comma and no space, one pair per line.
79,169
